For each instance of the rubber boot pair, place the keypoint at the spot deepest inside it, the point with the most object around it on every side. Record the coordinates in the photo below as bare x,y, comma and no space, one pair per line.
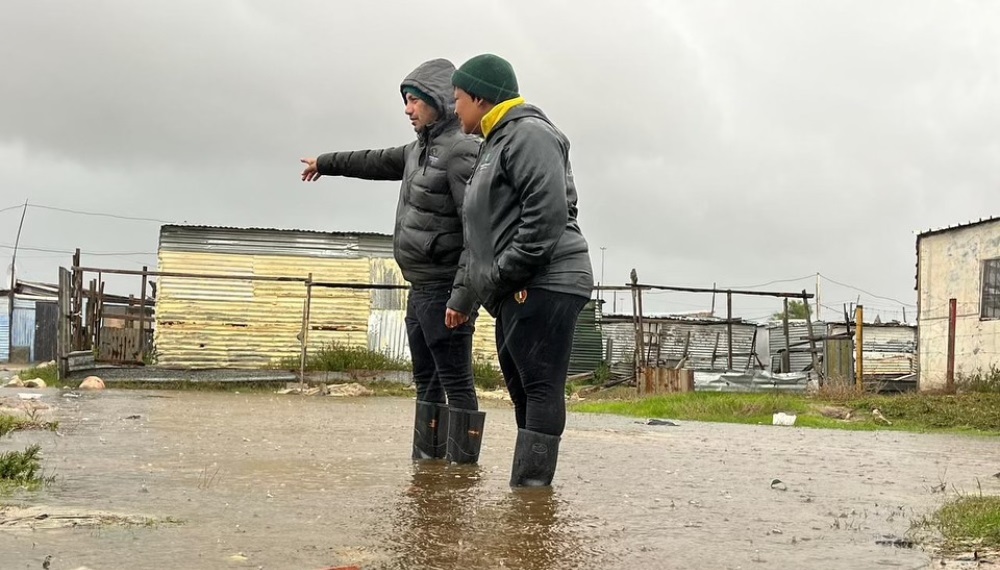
535,457
440,432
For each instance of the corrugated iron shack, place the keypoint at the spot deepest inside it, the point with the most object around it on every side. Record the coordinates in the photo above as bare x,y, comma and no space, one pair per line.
699,344
246,323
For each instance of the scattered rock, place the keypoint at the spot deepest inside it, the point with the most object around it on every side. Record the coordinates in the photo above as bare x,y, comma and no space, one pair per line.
35,383
92,383
15,382
778,485
29,396
133,417
351,390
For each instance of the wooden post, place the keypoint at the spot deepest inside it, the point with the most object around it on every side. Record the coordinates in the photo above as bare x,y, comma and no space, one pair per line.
91,313
715,349
76,309
952,322
859,341
306,325
729,330
142,314
642,330
63,341
786,357
812,339
753,350
100,314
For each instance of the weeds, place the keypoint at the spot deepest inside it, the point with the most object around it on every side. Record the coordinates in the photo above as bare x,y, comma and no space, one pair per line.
22,469
47,372
9,423
967,521
487,376
20,466
980,381
971,412
337,357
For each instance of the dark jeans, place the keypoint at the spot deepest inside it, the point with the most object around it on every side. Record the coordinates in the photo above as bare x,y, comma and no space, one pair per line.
442,357
534,340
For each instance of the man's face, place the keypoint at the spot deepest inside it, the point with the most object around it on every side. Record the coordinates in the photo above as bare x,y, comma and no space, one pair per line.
420,113
470,112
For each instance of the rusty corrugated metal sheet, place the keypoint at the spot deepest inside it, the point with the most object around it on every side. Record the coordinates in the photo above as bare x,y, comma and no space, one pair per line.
218,323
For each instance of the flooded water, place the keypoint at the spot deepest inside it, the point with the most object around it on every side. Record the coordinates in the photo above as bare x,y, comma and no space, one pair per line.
266,481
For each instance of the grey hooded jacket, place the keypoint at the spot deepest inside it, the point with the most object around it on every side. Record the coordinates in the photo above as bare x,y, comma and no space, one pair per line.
520,210
434,169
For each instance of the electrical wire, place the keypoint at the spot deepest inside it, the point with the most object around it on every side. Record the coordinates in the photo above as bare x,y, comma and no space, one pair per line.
860,290
100,214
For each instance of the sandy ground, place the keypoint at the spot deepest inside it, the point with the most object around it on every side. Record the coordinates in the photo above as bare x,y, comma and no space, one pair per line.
221,480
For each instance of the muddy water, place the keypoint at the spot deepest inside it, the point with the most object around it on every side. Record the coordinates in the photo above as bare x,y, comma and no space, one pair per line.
262,481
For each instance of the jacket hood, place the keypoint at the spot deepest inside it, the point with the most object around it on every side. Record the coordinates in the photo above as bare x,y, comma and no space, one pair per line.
434,78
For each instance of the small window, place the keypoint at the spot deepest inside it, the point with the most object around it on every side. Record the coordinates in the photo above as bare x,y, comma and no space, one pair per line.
990,305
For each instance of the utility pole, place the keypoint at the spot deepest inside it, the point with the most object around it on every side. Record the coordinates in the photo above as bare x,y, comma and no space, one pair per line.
602,269
818,317
13,281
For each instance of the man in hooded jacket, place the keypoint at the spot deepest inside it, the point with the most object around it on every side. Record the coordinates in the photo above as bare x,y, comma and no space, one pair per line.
428,246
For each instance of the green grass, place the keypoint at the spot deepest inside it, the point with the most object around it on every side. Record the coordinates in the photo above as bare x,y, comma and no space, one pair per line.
965,413
50,374
21,469
968,521
987,381
338,357
487,376
9,423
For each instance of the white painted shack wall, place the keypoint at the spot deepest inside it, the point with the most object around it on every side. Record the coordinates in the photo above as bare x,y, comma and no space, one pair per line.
951,266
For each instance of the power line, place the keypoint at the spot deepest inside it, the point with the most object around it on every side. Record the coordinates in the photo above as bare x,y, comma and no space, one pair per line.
100,214
84,252
14,207
772,282
860,290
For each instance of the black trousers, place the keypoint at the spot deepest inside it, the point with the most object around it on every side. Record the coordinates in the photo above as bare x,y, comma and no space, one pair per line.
534,341
442,357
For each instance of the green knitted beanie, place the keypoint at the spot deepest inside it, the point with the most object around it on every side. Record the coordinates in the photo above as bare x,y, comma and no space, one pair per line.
410,90
487,76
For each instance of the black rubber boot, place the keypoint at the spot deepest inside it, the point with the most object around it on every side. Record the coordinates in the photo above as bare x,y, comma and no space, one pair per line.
441,431
425,430
535,456
465,435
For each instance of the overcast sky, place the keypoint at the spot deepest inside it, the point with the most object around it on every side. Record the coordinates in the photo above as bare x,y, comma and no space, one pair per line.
732,142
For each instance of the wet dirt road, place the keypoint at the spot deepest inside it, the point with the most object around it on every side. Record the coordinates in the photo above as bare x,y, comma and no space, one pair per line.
266,481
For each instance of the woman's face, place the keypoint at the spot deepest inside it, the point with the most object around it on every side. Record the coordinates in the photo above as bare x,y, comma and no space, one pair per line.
470,112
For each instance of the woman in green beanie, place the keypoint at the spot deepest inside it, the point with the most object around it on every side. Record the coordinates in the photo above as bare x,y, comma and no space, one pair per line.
529,264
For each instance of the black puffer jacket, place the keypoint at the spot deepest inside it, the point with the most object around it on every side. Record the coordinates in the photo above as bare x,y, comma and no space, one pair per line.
434,169
521,229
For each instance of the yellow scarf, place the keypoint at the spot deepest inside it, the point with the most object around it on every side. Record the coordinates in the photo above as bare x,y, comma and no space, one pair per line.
491,119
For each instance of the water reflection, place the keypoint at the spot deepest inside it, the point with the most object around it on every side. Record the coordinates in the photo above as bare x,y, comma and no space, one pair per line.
446,519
